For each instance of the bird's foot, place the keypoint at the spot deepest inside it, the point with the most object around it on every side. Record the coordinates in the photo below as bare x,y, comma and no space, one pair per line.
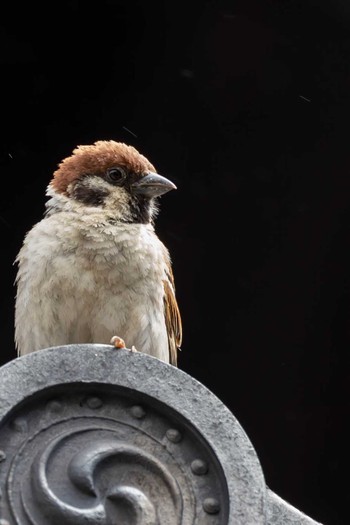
118,342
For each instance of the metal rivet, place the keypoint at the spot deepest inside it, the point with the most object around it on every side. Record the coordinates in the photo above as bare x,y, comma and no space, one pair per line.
199,467
94,402
54,405
173,435
2,456
211,505
138,411
20,425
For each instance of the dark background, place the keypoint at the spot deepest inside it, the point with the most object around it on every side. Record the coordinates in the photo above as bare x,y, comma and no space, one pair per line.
245,106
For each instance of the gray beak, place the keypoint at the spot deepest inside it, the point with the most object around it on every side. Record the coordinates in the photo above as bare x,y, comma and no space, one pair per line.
152,185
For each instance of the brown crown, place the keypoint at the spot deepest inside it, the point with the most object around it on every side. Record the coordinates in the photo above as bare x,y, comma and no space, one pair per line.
96,159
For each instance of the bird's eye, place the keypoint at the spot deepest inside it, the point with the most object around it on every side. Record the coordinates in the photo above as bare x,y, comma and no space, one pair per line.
116,175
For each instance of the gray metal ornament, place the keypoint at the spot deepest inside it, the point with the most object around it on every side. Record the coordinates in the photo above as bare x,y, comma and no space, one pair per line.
94,435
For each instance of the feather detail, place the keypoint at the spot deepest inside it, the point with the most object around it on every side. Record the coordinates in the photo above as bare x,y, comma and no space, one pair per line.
94,266
172,317
95,159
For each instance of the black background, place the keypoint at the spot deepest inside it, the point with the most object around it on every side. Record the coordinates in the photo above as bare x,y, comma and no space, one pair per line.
245,106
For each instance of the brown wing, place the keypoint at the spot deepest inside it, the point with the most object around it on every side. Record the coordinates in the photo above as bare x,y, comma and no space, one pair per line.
172,317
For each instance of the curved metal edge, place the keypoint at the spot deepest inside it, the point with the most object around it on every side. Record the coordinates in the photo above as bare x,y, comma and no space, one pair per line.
92,363
279,512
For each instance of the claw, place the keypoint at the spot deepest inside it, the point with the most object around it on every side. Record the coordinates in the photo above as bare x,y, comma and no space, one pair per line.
118,342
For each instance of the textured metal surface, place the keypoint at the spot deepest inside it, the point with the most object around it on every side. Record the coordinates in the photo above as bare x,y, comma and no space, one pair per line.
279,512
90,434
93,458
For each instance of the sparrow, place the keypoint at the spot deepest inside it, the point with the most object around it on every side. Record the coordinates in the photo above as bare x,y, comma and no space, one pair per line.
93,270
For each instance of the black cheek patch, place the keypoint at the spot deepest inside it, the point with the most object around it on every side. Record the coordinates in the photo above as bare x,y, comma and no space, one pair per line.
89,196
140,209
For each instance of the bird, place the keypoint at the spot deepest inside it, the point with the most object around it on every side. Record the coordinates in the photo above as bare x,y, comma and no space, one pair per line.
93,269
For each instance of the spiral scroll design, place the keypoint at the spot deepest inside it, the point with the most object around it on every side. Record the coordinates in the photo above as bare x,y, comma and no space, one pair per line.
121,498
83,459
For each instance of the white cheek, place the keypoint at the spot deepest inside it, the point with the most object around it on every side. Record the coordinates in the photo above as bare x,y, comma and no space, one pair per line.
118,202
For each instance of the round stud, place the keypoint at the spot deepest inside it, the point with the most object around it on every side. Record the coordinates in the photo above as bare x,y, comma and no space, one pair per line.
199,467
54,405
138,411
94,402
211,505
19,425
173,435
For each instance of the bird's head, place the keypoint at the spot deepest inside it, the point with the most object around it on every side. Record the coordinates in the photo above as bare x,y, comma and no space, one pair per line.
112,176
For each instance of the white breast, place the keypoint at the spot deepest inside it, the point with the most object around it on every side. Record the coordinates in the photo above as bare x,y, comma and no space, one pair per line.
80,280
